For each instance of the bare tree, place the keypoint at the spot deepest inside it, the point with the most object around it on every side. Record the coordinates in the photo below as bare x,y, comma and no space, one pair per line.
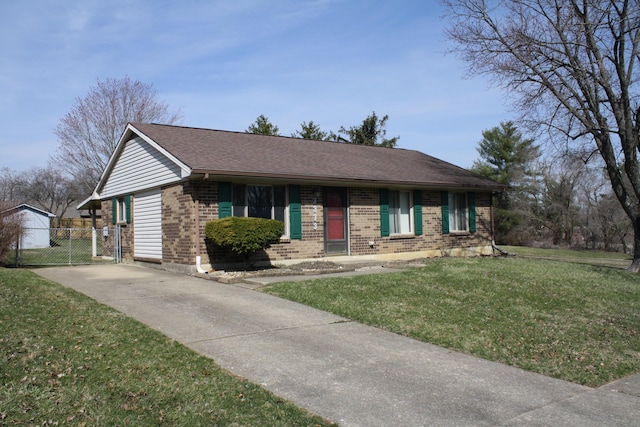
88,134
603,223
12,185
48,189
11,229
559,210
572,67
45,188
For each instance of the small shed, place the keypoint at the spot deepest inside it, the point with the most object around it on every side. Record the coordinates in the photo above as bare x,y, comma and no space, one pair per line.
36,224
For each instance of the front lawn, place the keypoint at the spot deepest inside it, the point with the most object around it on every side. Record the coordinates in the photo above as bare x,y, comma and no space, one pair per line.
68,360
571,321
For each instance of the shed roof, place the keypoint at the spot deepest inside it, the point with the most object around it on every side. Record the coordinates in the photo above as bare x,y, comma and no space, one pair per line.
228,153
27,207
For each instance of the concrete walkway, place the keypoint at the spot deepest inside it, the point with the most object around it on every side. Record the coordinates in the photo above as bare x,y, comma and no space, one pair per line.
351,374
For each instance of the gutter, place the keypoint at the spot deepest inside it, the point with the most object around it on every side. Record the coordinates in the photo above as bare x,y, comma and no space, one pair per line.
200,174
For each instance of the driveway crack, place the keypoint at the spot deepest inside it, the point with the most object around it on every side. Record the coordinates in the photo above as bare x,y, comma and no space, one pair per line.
266,331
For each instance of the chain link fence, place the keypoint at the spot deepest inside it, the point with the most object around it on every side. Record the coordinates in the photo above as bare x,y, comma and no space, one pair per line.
66,246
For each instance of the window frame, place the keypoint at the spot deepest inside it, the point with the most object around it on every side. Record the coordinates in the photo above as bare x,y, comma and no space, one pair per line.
243,209
454,208
122,210
395,218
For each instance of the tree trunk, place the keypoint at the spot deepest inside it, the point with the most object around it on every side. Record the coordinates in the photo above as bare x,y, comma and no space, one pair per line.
635,265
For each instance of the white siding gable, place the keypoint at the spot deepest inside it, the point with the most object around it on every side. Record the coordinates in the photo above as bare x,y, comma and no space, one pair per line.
140,166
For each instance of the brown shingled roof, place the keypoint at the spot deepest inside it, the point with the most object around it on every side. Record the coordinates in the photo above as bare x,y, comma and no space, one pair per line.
245,154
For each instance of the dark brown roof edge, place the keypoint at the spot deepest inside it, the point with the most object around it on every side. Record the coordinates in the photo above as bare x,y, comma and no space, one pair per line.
198,173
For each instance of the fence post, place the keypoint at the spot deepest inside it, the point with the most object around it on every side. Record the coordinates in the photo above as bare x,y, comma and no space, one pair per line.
70,245
18,246
94,235
117,249
94,242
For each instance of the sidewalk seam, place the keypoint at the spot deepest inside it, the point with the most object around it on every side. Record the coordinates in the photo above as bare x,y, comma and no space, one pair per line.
271,330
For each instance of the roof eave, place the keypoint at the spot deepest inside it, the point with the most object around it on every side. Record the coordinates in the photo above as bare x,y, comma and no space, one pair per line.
31,208
92,202
128,133
317,180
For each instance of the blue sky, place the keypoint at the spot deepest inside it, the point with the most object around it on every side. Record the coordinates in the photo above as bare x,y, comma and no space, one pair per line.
223,63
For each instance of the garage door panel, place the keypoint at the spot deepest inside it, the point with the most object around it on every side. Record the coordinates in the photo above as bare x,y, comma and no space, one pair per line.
147,225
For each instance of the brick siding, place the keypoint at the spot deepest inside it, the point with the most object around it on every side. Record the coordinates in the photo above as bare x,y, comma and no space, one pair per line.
364,221
179,224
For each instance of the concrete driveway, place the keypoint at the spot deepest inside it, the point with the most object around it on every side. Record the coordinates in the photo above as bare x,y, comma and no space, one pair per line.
349,373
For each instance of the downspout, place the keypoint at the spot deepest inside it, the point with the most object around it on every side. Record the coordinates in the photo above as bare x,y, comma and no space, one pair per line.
493,242
199,268
94,234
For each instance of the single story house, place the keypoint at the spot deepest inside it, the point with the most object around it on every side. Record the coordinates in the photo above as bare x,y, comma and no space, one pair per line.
36,225
163,183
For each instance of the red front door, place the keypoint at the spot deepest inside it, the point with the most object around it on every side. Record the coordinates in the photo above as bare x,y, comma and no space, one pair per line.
335,221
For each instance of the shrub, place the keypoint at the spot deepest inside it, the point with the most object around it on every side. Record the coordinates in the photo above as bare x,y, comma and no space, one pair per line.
244,236
10,231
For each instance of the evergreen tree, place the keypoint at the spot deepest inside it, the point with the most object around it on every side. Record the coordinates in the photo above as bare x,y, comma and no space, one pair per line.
506,157
263,126
371,132
311,131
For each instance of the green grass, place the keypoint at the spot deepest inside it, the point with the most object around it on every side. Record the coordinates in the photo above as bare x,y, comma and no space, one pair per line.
571,321
68,360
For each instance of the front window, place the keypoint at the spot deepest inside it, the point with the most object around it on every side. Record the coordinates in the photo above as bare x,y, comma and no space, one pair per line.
458,212
260,201
400,212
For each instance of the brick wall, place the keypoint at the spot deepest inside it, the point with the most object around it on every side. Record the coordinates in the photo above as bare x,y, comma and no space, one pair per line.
312,243
364,223
178,224
310,246
181,244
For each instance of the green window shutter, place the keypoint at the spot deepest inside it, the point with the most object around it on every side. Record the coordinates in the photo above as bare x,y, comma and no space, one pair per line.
444,200
224,199
127,208
114,210
417,212
295,212
471,199
384,212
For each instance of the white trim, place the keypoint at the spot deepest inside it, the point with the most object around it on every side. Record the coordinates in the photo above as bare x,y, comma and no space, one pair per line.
31,208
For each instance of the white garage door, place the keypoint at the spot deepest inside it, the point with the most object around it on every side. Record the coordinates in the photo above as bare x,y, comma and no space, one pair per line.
147,225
